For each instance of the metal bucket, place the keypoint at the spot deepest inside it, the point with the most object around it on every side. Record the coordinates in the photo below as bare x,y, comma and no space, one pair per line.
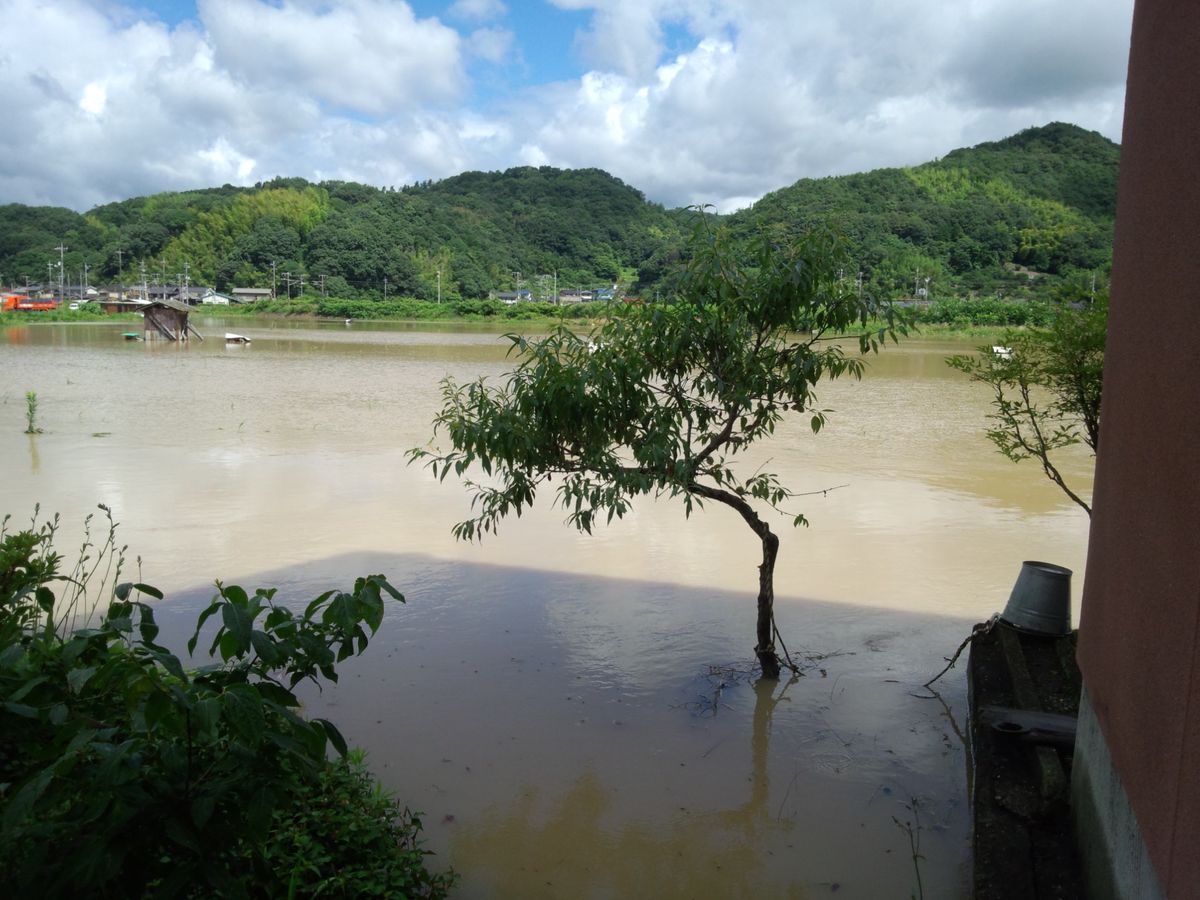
1041,599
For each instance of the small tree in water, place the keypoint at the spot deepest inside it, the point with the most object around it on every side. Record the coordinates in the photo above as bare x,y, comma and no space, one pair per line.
662,399
1046,388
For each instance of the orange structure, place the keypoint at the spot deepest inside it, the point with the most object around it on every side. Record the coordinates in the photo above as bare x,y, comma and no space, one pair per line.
21,303
1136,791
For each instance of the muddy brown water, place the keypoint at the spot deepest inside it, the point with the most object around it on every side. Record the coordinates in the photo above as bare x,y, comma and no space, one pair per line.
572,714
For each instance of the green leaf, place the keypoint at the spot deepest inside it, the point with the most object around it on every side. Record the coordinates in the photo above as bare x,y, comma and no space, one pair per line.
273,693
316,604
20,709
264,646
170,662
146,625
228,643
242,709
157,708
335,736
205,715
22,802
240,624
181,834
235,594
77,678
25,689
204,617
202,810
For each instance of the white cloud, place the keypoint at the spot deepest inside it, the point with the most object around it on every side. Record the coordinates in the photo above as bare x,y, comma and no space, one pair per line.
688,100
367,56
94,99
491,44
773,92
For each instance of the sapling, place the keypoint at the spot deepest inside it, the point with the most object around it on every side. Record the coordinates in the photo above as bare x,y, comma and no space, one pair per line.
31,404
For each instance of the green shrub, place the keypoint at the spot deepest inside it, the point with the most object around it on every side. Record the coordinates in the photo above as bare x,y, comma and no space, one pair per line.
123,774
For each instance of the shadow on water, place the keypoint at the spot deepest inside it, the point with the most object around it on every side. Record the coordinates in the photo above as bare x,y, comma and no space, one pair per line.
571,736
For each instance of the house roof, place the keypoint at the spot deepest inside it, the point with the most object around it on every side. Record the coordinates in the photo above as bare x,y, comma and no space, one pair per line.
170,304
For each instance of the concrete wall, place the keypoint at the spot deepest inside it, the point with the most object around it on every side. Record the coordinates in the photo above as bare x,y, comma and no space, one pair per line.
1140,625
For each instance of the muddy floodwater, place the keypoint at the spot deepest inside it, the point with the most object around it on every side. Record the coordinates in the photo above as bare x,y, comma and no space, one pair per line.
572,713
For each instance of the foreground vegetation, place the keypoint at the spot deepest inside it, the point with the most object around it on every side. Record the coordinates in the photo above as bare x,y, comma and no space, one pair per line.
124,773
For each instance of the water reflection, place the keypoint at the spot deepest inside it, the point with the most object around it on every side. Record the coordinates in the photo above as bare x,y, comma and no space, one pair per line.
35,461
577,845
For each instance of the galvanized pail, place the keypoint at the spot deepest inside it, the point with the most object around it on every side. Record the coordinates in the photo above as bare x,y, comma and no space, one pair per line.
1041,599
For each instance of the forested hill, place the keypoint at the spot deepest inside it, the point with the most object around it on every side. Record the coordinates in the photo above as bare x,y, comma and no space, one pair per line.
481,231
980,220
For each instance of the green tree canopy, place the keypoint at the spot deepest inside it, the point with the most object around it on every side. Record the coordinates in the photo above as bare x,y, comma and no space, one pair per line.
1046,385
663,399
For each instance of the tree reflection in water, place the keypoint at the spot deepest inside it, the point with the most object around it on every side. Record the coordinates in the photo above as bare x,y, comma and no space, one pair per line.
717,853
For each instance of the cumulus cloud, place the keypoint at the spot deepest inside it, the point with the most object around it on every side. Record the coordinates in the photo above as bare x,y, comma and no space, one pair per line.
774,92
688,100
492,45
370,56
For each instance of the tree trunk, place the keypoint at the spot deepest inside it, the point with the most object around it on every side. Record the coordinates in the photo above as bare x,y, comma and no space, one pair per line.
765,631
765,650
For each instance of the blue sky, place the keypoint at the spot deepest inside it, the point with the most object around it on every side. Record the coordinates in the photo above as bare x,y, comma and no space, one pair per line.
691,101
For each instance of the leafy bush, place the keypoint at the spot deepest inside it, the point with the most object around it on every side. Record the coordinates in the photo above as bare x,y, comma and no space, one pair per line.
986,311
124,774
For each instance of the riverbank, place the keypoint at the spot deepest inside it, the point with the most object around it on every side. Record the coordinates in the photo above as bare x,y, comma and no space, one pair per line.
423,313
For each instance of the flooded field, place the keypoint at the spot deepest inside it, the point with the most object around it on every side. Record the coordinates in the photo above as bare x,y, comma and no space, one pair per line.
573,713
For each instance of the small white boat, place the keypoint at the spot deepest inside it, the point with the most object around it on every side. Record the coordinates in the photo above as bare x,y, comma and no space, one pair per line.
231,338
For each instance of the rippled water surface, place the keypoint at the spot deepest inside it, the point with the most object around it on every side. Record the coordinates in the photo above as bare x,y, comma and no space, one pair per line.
572,713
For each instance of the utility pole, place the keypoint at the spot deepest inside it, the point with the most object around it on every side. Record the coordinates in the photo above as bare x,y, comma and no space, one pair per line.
287,280
273,287
83,283
186,284
322,286
120,275
556,287
62,272
301,294
385,288
49,273
439,274
145,287
163,262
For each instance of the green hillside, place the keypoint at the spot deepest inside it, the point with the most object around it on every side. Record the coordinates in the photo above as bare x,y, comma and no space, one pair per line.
1017,217
1014,216
481,231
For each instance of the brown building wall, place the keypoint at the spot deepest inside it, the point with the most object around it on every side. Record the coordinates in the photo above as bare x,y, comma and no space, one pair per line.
1140,625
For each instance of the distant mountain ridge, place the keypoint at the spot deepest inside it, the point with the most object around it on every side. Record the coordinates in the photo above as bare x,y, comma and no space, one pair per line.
977,220
1042,200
